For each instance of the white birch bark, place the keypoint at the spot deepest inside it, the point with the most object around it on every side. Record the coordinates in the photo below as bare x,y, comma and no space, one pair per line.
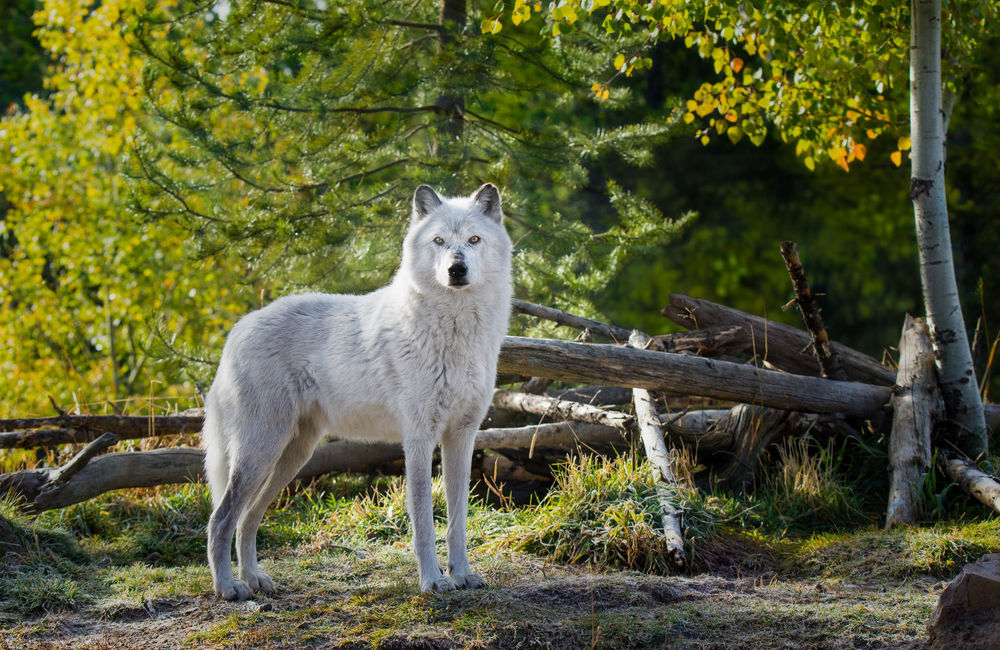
953,359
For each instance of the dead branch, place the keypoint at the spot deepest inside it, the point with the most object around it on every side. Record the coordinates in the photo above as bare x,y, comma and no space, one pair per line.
780,345
622,366
610,332
48,488
970,478
553,408
914,406
659,456
826,356
66,429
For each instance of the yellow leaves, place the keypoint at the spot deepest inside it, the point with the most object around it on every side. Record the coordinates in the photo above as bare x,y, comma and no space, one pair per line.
491,25
601,91
688,118
620,62
903,144
896,157
859,151
521,12
734,133
809,163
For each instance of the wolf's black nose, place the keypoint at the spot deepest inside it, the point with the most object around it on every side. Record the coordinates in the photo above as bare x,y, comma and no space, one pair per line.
457,270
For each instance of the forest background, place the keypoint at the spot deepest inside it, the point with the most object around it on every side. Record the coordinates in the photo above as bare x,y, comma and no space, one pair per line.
168,166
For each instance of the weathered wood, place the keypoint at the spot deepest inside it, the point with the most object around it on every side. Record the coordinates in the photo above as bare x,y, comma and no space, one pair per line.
781,345
65,429
660,371
751,430
707,342
611,332
657,453
970,478
139,469
553,408
914,405
826,356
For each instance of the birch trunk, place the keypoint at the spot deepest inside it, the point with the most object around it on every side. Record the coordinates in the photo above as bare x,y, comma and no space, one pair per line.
953,359
657,453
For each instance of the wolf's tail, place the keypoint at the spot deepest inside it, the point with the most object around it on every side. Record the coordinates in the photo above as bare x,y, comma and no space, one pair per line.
216,456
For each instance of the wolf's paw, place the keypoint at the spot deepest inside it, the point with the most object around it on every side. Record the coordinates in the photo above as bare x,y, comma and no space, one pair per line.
440,583
468,581
233,590
260,581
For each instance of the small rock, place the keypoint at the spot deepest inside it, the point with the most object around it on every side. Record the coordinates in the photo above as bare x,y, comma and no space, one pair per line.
968,613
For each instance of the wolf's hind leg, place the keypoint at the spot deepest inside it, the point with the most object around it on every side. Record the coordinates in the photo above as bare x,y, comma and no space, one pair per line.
244,480
295,455
456,459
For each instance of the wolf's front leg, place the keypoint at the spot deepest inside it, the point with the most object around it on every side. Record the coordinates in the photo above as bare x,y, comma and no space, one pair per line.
418,453
456,458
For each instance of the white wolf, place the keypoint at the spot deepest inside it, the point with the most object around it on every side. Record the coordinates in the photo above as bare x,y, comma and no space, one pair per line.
413,362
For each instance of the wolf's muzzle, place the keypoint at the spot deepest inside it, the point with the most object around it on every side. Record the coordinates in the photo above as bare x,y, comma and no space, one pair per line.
457,274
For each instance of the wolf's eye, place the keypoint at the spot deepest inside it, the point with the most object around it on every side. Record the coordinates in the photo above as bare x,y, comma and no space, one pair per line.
474,239
438,241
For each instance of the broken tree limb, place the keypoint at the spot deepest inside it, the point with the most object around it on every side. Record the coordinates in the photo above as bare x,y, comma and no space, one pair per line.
661,371
611,332
65,429
913,405
826,356
657,454
553,408
80,460
781,345
41,489
970,478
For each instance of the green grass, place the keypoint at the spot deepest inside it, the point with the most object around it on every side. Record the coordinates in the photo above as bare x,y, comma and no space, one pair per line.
798,561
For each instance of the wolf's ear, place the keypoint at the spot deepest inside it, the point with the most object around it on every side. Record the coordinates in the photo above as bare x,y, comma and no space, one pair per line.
425,199
487,198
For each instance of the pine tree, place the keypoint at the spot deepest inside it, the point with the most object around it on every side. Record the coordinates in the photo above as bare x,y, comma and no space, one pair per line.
295,133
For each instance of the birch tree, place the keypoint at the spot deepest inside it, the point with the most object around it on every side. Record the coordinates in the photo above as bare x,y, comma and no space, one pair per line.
827,77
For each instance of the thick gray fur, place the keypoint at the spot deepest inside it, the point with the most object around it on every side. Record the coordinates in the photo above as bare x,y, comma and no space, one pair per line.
413,362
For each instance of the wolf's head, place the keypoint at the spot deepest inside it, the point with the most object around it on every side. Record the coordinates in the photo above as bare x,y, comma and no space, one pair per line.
456,244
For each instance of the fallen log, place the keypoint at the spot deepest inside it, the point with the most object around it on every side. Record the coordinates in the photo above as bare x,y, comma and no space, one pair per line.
66,429
657,454
781,345
970,478
47,488
553,408
913,405
661,371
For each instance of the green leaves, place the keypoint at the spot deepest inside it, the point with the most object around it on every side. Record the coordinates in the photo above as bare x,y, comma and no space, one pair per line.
829,75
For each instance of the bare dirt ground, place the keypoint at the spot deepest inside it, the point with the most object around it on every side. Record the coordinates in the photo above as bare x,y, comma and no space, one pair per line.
333,599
